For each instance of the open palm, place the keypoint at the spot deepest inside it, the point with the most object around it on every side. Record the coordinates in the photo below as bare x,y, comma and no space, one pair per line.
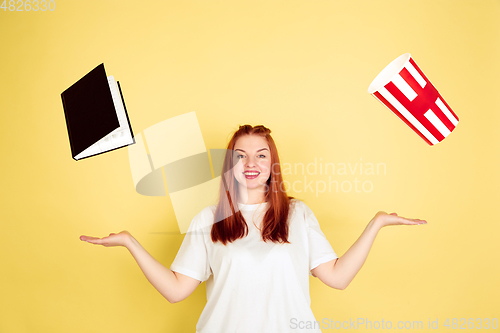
384,219
119,239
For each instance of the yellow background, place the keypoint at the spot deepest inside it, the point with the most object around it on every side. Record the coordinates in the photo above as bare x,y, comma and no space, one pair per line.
301,68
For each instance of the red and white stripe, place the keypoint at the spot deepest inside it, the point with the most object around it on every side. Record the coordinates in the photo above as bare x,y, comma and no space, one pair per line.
413,98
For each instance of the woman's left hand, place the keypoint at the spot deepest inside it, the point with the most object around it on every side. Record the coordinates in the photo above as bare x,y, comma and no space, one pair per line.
382,219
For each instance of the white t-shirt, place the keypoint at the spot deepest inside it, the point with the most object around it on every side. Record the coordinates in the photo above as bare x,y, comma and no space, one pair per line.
254,286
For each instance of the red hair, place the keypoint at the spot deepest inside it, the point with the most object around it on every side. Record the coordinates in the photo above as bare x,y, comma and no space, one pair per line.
229,225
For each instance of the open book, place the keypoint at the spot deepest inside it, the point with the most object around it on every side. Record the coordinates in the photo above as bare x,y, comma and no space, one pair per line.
96,116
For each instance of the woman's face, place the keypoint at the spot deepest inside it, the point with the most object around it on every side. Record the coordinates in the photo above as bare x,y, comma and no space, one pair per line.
254,166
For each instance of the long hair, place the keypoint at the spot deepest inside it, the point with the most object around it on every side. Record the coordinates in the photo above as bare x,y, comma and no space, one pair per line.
229,223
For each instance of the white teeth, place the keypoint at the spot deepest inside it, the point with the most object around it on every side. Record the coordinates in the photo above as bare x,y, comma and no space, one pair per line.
251,173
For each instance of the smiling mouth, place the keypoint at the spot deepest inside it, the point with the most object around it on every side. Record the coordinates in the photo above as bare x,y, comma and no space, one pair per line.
251,174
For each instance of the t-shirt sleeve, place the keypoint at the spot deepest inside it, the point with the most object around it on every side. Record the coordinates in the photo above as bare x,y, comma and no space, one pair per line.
192,258
320,250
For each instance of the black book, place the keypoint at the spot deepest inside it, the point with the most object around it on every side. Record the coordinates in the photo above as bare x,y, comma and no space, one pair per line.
96,116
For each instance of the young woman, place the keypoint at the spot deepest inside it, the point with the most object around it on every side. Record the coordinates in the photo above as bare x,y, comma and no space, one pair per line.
255,249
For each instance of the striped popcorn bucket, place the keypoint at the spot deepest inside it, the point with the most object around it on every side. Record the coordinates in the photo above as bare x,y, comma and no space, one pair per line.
406,91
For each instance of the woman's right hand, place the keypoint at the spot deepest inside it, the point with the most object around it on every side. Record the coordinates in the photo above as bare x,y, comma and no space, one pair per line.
120,239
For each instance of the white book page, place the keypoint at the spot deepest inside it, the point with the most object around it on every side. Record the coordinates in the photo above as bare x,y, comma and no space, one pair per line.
119,137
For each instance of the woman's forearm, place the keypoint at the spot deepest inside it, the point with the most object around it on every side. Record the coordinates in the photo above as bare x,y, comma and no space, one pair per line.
162,278
342,271
351,262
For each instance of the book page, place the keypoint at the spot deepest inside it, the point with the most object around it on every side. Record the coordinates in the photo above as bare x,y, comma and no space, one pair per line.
119,137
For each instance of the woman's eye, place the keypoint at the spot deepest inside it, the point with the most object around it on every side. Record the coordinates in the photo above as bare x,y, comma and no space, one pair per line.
263,156
240,156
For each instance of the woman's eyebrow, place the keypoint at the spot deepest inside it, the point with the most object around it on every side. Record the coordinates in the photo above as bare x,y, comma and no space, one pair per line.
257,150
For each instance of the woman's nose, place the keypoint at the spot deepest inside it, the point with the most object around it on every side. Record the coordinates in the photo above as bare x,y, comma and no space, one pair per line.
250,162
